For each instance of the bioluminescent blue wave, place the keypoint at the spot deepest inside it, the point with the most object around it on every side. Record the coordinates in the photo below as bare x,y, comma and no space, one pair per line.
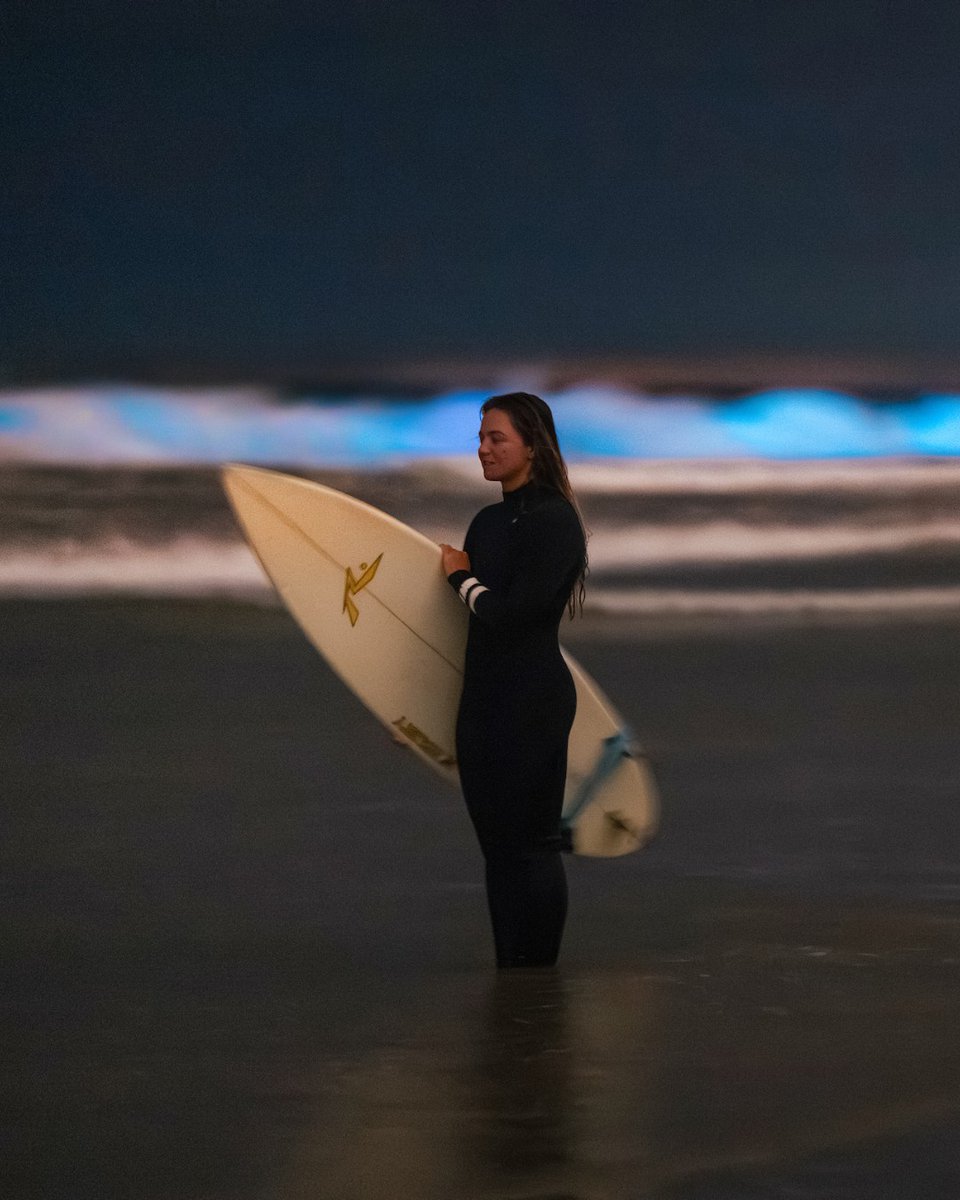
14,419
933,423
812,424
140,425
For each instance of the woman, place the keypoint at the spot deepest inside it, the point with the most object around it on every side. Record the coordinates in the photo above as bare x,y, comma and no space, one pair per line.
523,563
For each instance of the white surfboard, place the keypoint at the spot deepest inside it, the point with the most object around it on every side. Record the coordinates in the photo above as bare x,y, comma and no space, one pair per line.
369,593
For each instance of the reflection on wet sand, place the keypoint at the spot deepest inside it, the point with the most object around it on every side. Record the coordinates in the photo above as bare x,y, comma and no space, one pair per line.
237,966
740,1053
524,1124
479,1095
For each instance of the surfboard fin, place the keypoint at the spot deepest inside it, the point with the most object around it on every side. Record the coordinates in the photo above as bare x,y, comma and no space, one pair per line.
613,751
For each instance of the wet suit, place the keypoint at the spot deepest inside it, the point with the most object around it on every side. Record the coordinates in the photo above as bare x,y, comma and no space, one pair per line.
516,711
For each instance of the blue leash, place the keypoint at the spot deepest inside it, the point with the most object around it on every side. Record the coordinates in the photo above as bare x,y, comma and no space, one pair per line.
613,751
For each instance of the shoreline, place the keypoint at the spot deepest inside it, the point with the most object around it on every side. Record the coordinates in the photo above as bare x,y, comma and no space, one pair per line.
597,624
783,752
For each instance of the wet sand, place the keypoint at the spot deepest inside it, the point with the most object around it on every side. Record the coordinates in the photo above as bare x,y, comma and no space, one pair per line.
246,953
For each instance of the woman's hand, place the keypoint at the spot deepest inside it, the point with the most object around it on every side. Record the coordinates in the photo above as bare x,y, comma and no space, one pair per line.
453,560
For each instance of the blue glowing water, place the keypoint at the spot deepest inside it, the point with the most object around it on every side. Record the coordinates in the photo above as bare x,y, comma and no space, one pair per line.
138,425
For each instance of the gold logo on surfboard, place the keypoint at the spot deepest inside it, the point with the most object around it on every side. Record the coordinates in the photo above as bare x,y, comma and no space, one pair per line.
424,743
354,585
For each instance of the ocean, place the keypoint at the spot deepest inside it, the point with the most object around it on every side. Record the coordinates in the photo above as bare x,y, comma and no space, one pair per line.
246,955
725,539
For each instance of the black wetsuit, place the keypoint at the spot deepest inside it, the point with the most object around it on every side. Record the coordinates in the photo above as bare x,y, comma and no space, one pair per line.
518,705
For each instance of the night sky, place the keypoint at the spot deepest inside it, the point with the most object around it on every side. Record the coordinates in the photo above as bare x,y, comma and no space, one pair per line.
243,188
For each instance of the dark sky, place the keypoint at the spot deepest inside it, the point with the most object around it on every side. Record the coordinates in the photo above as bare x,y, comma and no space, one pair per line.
255,187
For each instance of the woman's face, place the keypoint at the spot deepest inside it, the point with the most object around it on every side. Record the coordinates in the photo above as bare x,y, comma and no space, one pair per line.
504,455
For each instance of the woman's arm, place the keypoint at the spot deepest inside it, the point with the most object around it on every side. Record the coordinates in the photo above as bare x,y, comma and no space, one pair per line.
551,550
453,560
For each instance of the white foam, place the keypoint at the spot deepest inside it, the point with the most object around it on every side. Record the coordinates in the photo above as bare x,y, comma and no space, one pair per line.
728,541
188,566
752,603
192,567
624,477
202,565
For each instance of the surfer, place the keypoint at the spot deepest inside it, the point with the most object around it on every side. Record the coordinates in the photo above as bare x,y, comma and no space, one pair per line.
524,562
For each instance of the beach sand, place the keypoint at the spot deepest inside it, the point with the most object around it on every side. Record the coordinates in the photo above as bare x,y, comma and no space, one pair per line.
246,952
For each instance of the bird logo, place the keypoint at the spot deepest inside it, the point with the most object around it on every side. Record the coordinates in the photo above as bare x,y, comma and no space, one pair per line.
354,585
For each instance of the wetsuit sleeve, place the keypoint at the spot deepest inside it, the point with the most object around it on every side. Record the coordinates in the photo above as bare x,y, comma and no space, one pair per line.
550,553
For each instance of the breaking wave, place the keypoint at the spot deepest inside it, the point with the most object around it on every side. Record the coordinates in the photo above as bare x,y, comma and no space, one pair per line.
113,424
728,538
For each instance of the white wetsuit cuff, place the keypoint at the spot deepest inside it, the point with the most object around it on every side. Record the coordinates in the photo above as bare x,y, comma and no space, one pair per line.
470,589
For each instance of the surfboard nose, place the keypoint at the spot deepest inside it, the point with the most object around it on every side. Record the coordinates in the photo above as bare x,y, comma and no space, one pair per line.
233,472
238,478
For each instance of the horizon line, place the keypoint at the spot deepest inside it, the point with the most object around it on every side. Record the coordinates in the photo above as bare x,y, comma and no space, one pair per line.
733,373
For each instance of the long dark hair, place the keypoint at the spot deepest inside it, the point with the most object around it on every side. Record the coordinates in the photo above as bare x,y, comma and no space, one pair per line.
533,420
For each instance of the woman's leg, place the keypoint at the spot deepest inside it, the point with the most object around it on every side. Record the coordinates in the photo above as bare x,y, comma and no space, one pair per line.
513,788
527,898
519,833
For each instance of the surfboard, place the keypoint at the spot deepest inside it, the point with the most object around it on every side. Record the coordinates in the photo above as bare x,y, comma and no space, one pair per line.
369,593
